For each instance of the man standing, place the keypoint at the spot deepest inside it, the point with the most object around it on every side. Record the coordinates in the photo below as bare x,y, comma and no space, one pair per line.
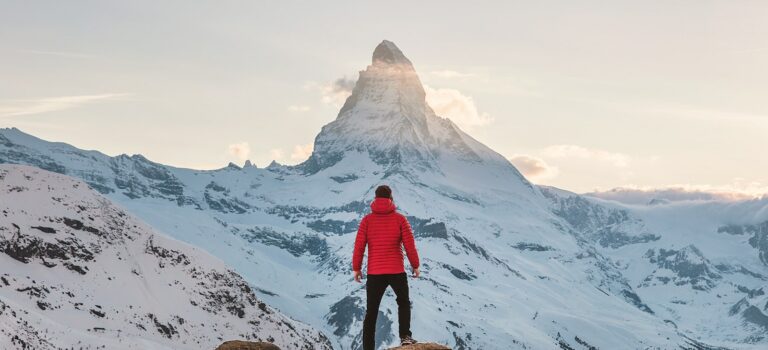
385,231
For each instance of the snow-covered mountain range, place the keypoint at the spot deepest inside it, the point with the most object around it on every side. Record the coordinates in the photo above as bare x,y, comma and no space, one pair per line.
79,272
506,264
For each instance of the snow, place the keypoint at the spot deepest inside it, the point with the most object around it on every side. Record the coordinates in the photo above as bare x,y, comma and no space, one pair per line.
130,278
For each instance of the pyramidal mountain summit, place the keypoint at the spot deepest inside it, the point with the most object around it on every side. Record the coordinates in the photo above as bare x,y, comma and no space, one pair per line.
388,119
506,264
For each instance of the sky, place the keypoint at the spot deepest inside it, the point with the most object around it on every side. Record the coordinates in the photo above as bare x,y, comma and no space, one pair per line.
585,96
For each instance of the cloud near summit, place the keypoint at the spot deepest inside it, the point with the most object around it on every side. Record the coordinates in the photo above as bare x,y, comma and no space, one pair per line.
448,103
334,93
460,108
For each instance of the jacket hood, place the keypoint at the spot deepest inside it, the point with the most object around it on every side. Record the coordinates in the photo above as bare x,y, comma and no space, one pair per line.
382,206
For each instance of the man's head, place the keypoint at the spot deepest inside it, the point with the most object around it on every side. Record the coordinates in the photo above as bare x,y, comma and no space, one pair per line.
383,191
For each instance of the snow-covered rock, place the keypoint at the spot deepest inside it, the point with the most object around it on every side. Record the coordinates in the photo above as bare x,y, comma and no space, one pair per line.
78,271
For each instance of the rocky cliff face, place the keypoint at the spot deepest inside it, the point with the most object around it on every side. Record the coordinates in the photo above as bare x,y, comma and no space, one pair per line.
79,271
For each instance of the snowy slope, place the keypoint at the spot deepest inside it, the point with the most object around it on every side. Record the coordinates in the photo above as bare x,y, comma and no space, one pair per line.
708,257
78,271
505,264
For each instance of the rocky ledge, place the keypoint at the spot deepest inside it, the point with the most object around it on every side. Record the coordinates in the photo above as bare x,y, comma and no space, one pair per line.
247,345
422,346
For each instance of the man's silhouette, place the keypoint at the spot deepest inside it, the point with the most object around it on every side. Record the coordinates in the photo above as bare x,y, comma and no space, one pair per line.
385,232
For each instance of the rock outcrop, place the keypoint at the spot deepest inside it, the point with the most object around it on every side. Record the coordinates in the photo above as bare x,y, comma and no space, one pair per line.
422,346
247,345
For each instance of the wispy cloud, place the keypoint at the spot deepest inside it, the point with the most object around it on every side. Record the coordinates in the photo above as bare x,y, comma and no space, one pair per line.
565,151
334,93
705,114
11,108
276,154
298,109
449,103
451,74
67,54
632,194
240,150
459,108
301,152
534,168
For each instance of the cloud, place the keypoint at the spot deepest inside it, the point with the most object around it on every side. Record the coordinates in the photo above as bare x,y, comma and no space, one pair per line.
11,108
700,114
68,54
533,168
240,150
452,104
276,154
334,93
677,193
299,109
568,151
449,103
301,152
450,74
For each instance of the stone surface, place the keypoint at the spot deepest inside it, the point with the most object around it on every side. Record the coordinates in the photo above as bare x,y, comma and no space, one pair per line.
422,346
247,345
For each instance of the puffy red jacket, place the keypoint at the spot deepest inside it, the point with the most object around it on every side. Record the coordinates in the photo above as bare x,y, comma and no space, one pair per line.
385,231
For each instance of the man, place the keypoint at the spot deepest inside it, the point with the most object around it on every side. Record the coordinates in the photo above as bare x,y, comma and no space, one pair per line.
385,231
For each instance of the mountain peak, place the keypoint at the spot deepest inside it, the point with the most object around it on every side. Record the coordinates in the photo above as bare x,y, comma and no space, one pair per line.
388,52
387,119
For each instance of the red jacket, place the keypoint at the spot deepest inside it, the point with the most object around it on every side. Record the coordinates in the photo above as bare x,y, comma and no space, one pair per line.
385,231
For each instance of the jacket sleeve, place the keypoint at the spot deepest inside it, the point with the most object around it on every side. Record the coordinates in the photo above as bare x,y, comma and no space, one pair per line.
360,242
409,242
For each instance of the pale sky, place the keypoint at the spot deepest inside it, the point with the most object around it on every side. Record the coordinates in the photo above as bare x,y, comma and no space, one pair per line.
586,95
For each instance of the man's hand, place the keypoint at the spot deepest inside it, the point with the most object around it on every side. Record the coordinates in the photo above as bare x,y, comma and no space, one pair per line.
416,273
357,275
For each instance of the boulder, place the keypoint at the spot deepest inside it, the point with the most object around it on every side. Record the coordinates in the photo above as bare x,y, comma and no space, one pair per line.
422,346
247,345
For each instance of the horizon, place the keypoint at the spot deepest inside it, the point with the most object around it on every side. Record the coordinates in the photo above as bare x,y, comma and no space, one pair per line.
654,115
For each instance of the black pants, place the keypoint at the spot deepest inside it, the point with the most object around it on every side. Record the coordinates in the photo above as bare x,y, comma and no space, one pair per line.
375,287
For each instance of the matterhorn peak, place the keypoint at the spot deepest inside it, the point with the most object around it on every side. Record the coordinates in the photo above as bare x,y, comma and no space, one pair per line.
387,120
387,52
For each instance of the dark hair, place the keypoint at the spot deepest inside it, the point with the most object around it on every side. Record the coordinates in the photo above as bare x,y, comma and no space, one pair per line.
383,191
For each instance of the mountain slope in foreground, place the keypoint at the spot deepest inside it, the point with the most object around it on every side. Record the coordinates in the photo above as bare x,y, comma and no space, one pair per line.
79,272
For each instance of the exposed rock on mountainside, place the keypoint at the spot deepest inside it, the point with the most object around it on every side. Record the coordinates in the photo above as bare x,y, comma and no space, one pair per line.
80,272
758,236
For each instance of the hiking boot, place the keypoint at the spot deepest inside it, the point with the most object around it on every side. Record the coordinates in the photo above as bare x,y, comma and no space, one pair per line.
407,340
